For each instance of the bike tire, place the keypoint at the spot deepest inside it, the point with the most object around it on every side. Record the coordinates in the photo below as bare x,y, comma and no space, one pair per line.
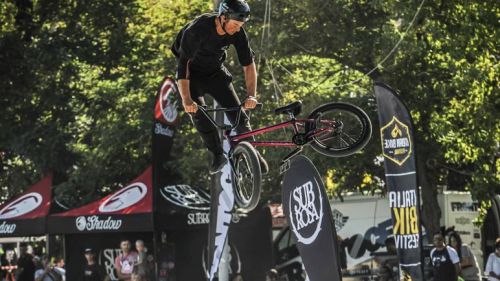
351,139
247,176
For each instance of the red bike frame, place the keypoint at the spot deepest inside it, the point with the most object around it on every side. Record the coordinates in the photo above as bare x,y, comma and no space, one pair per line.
294,123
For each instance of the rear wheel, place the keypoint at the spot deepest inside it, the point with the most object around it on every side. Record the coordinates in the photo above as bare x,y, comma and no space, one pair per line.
247,176
339,129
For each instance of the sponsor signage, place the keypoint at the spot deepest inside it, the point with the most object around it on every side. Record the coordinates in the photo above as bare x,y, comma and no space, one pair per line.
25,214
198,218
6,228
21,206
222,204
107,260
401,179
166,103
308,212
128,209
92,223
124,198
305,205
187,197
396,141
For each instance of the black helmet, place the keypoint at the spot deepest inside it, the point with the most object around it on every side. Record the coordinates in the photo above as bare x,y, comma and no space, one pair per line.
235,10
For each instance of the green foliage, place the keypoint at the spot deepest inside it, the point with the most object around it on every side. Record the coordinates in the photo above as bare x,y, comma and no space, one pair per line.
78,79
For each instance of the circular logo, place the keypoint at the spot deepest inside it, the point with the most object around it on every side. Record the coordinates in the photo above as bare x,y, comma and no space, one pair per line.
306,211
124,198
21,205
185,196
81,222
166,105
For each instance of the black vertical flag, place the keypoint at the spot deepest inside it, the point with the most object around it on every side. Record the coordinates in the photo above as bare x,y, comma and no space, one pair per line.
166,117
398,148
221,206
308,212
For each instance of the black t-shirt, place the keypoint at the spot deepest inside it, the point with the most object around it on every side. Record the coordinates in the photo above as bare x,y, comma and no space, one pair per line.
201,51
28,273
93,273
443,263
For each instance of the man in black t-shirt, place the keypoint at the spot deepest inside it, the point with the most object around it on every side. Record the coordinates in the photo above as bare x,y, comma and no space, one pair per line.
92,271
445,261
200,48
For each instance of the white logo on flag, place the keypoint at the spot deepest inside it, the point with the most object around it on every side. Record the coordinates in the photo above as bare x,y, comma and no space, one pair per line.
306,211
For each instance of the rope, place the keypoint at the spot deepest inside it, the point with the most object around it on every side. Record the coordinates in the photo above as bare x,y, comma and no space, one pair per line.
379,64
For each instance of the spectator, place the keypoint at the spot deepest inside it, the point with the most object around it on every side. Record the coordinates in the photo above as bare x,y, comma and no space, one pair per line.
8,263
92,271
272,275
47,272
445,261
141,266
468,263
59,267
25,265
124,263
493,264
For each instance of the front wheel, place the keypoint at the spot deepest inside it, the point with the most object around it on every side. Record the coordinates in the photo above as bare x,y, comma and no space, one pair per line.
247,176
339,129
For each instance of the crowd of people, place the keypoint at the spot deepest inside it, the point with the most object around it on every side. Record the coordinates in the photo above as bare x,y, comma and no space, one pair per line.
452,261
28,267
455,260
130,265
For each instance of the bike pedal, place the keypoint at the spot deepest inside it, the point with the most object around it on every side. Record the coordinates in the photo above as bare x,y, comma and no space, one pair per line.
284,166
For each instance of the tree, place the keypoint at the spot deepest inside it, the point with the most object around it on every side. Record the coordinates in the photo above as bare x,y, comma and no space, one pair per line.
445,70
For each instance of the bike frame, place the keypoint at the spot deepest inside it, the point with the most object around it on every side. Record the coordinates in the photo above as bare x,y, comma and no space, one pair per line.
293,122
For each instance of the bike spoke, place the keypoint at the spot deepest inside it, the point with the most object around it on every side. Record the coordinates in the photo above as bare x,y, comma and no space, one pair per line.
244,178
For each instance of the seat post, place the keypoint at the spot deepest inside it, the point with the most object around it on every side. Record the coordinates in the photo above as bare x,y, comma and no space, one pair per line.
292,118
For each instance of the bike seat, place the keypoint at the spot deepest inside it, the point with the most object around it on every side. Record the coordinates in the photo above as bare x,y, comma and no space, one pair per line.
294,108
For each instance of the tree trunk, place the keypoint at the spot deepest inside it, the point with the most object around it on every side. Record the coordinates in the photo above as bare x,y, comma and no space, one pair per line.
431,213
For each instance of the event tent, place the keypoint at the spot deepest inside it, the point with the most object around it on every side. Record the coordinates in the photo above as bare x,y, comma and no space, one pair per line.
25,214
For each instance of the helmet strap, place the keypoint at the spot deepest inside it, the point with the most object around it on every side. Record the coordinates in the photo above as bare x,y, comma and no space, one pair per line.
223,24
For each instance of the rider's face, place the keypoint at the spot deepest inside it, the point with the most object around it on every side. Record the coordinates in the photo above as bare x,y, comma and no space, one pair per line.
233,26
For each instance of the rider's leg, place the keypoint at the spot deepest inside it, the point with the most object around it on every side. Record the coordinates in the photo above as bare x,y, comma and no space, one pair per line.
223,92
207,131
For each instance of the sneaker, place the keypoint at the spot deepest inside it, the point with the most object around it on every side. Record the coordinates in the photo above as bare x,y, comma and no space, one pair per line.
218,163
264,167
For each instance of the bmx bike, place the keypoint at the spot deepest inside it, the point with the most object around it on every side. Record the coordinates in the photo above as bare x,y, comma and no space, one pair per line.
334,129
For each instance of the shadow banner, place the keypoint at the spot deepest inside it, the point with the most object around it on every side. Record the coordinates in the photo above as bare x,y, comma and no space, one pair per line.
308,212
398,147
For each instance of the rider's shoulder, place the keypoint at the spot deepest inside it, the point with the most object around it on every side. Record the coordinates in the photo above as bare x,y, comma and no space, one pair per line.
203,21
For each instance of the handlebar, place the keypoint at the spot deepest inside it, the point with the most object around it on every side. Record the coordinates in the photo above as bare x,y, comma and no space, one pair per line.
204,110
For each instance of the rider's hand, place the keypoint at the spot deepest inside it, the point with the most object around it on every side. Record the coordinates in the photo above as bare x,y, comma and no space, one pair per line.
250,103
190,106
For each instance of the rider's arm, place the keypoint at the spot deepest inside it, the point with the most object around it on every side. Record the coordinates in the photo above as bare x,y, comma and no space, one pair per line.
251,83
246,58
251,79
187,102
189,45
